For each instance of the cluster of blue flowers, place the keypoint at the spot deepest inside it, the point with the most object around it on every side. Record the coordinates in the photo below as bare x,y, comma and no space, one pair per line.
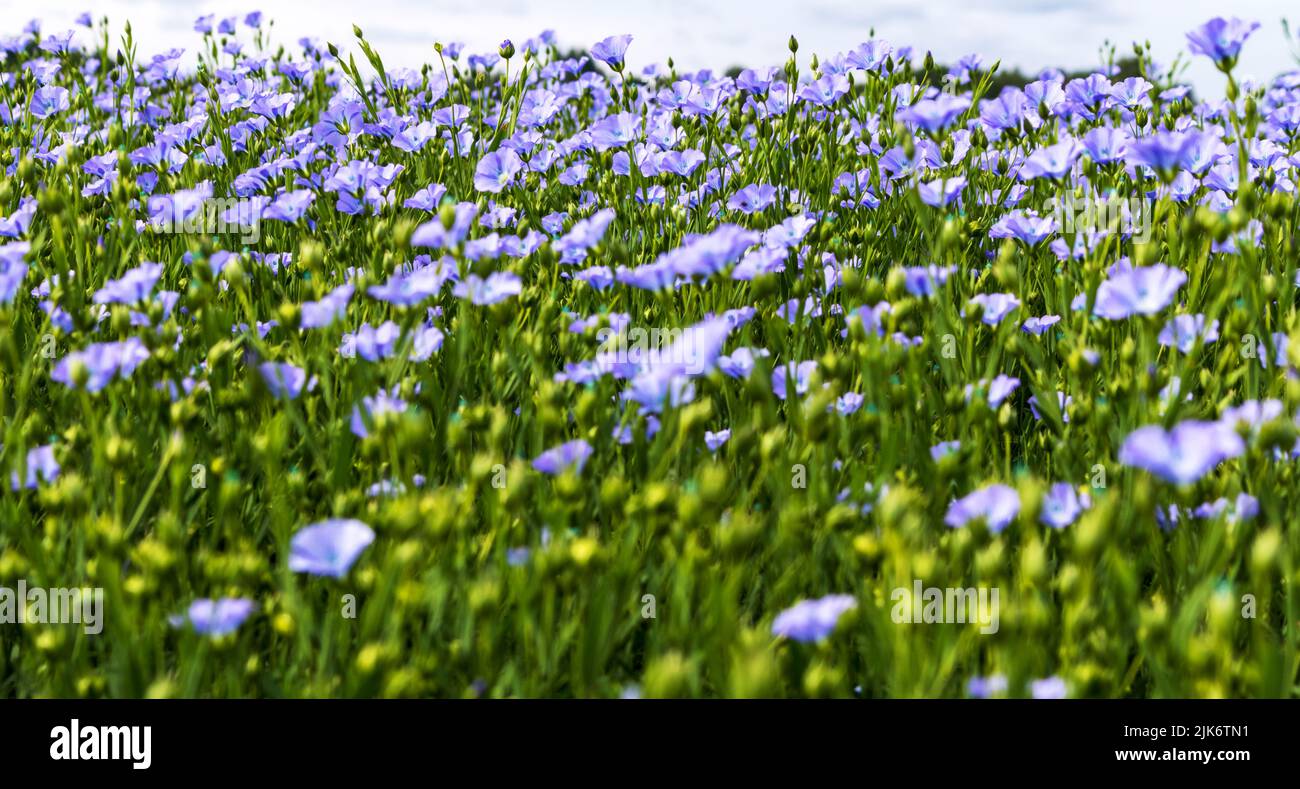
855,252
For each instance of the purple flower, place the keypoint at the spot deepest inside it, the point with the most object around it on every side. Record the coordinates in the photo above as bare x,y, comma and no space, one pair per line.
1037,326
753,198
427,199
1141,290
41,467
1184,454
941,191
825,91
800,372
934,114
572,454
812,620
1245,507
218,618
615,131
289,206
610,51
1024,227
741,362
48,101
1183,331
996,306
497,170
1251,415
425,341
319,314
1220,39
599,277
944,448
1052,161
848,403
986,687
102,361
368,413
1062,505
498,286
132,287
20,221
1000,389
283,379
13,271
1166,152
996,504
371,343
330,547
926,280
1105,144
406,289
1050,688
714,440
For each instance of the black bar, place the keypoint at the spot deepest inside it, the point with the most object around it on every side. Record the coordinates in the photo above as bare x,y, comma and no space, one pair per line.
1050,740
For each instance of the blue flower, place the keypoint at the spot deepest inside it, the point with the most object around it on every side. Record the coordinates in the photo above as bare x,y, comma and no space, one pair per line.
1183,332
799,372
753,199
133,286
986,687
1184,454
1037,326
497,170
1220,39
812,620
714,441
283,380
941,191
996,504
570,455
217,618
329,548
48,101
944,448
935,114
102,362
610,51
848,403
1142,290
1106,144
41,467
1166,152
498,286
319,314
371,409
1050,688
996,306
1062,505
1052,161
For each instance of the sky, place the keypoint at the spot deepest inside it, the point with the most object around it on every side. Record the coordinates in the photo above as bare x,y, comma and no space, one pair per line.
1030,34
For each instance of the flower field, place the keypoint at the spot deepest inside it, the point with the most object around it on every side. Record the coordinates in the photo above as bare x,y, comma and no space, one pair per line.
551,373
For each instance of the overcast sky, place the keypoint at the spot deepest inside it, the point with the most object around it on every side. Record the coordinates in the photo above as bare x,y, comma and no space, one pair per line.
1031,34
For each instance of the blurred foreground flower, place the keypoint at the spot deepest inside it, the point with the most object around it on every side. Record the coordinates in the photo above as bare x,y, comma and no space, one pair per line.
812,620
330,547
